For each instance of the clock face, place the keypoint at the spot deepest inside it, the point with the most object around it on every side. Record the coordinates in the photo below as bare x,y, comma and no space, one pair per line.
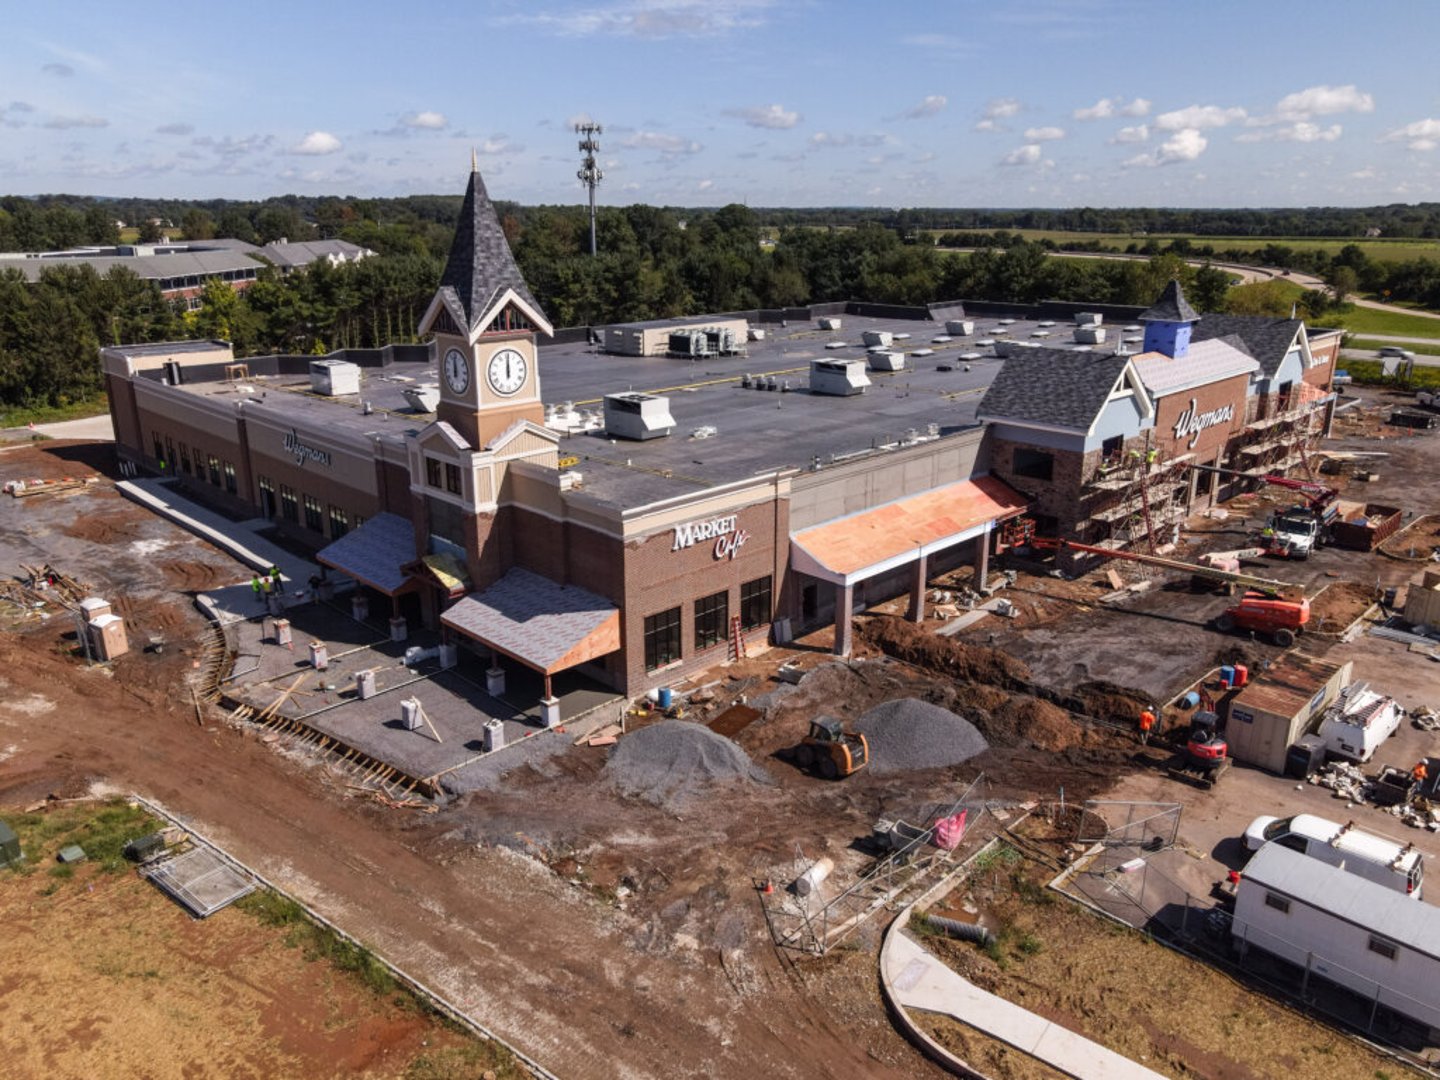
506,371
457,371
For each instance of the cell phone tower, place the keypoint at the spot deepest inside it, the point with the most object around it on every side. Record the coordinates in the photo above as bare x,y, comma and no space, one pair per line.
590,174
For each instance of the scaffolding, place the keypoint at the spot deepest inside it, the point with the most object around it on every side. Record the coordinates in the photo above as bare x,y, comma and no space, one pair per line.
1132,496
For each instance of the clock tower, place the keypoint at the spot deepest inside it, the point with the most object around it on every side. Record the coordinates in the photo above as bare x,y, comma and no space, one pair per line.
484,323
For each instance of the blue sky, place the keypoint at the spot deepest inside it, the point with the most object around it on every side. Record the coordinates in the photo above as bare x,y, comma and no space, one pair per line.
705,102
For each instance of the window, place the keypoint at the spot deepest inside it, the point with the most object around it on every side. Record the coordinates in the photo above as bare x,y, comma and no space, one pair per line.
184,459
1279,903
230,484
755,603
1111,449
452,478
159,446
711,615
662,639
313,519
1385,948
359,521
289,509
1035,464
339,523
432,472
214,464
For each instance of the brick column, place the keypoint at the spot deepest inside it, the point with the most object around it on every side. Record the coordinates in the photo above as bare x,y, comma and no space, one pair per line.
917,589
982,559
844,602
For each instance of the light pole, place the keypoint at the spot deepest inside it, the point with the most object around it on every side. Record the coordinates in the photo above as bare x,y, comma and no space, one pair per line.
590,174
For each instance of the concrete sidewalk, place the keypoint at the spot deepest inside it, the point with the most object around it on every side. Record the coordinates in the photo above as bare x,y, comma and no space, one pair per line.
237,538
916,980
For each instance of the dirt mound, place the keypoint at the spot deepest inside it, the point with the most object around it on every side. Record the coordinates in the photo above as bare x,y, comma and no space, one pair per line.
974,663
674,761
912,734
1107,701
1040,723
1338,605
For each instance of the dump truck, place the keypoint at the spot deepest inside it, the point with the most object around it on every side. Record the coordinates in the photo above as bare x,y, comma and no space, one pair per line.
831,750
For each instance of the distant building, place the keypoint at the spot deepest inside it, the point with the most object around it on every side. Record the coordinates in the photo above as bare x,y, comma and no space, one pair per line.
289,257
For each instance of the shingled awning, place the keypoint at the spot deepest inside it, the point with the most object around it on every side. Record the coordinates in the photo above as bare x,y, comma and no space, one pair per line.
862,545
544,625
375,554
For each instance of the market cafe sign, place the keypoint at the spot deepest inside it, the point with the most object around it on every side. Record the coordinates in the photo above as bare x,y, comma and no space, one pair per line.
303,452
1192,422
726,532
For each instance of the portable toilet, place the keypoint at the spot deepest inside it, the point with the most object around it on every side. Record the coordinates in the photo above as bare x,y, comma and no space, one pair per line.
10,852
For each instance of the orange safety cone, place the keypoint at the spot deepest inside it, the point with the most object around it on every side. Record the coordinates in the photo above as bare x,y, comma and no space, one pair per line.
769,887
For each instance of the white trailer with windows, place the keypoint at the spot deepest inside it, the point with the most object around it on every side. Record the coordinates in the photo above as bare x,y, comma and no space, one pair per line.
1340,927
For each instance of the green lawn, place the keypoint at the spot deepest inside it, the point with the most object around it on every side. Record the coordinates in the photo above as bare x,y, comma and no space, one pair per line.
1380,250
1370,373
1370,321
1371,343
17,417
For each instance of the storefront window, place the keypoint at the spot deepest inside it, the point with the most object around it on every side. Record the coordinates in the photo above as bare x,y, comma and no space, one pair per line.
313,519
662,639
711,615
755,603
452,478
214,463
185,459
339,523
230,484
1034,464
432,472
289,508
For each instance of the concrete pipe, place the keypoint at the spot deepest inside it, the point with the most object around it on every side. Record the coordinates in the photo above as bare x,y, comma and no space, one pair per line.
810,880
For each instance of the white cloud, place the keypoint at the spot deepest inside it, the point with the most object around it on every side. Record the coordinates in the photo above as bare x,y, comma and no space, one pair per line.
64,123
1105,108
766,116
931,105
1324,101
1197,117
1421,135
1023,155
649,18
1303,132
175,129
1137,134
705,185
1001,108
316,143
498,144
669,145
63,71
1367,173
425,121
1185,145
1044,134
830,138
987,125
1138,107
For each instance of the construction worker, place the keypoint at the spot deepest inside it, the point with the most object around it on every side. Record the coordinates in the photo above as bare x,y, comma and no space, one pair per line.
1419,773
258,589
275,577
1147,723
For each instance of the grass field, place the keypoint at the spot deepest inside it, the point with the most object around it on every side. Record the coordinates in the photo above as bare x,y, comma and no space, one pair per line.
1370,373
1371,321
1371,343
17,417
1380,250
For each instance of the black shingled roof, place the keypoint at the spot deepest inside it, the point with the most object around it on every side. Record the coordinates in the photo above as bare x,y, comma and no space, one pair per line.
1265,338
1055,387
1171,307
480,266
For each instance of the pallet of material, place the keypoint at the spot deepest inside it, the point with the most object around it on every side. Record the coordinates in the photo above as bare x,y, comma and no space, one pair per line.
1364,526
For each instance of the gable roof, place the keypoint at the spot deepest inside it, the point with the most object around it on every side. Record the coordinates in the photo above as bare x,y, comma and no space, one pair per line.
1171,307
1053,387
480,268
1204,362
1267,339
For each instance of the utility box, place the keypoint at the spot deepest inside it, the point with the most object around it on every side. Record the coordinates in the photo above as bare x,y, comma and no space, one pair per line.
494,737
333,378
410,714
960,327
92,607
829,323
365,684
838,378
319,655
107,637
10,853
886,360
878,337
1422,600
1090,335
283,634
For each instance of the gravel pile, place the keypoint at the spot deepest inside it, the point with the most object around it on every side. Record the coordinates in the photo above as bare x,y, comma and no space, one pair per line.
912,734
671,762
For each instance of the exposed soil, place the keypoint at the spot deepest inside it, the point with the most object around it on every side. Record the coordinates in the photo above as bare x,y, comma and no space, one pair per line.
190,576
121,523
972,663
1339,605
57,459
1417,542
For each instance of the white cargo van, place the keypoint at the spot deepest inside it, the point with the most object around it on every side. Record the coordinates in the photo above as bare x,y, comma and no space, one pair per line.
1372,857
1358,722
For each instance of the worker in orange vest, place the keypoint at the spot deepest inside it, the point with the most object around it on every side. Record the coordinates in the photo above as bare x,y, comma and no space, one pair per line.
1419,773
1147,722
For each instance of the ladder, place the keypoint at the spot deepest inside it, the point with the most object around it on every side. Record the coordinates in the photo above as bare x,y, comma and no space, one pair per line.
737,639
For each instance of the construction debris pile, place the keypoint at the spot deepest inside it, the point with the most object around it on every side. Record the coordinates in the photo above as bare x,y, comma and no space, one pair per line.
912,734
674,761
1345,780
1349,783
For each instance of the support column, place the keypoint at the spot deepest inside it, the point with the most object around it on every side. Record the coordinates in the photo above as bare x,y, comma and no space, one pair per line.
917,589
844,602
982,559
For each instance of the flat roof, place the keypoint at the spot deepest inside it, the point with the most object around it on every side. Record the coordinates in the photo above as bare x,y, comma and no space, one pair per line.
755,432
1287,687
676,322
169,348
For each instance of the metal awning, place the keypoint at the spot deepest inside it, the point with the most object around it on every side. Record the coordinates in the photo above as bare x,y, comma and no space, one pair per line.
448,571
375,554
544,625
857,547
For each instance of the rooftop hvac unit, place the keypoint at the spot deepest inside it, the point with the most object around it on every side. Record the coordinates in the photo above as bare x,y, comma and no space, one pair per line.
878,337
829,324
838,378
1090,334
688,343
720,341
1088,318
902,337
886,361
960,327
1007,349
638,416
423,398
333,378
756,334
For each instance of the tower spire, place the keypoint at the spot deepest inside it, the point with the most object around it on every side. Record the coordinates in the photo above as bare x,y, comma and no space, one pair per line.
474,161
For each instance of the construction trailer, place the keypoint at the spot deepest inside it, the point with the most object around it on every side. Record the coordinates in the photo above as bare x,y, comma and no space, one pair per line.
1340,927
1277,706
1422,601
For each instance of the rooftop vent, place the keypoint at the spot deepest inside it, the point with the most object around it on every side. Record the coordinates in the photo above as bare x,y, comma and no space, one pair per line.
887,361
423,398
1088,318
829,324
960,327
332,378
838,378
878,337
638,416
1090,334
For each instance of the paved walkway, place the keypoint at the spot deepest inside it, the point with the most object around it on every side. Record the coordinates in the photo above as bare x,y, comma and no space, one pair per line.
916,980
238,538
94,428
